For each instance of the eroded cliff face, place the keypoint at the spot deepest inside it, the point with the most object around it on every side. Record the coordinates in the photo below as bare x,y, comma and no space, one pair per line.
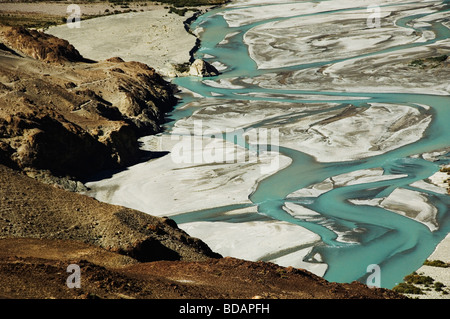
39,45
63,113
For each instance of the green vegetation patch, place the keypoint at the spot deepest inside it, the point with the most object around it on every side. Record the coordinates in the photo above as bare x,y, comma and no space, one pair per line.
445,169
30,20
180,12
405,288
415,278
432,62
182,67
436,263
193,3
438,287
427,283
177,3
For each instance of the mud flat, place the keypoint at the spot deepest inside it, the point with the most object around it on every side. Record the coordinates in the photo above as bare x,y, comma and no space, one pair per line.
323,130
192,194
187,180
155,37
340,48
288,244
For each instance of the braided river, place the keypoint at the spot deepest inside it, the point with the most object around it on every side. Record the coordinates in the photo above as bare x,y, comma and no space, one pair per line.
359,134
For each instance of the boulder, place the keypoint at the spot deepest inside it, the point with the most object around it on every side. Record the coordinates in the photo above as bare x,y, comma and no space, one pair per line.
202,68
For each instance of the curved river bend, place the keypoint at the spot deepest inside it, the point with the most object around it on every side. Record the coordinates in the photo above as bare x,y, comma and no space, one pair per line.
359,223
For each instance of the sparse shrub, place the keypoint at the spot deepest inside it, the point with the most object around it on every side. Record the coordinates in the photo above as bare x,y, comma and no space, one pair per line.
182,67
180,12
432,62
406,288
282,273
440,58
438,286
417,62
436,263
415,278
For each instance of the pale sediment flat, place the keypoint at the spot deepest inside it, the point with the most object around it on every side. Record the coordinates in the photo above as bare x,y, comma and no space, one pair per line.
395,74
194,176
354,133
430,186
439,274
222,115
409,203
276,241
412,204
244,15
298,37
352,178
287,96
325,37
331,135
305,214
442,251
223,83
155,37
439,179
347,50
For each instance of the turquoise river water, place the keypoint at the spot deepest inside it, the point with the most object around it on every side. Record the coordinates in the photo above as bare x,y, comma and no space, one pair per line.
399,245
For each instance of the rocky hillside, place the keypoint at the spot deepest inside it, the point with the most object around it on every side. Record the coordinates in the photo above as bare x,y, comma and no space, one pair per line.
62,113
31,209
107,275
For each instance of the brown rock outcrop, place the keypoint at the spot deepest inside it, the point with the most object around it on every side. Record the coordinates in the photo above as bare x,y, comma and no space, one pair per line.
39,45
74,118
202,68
